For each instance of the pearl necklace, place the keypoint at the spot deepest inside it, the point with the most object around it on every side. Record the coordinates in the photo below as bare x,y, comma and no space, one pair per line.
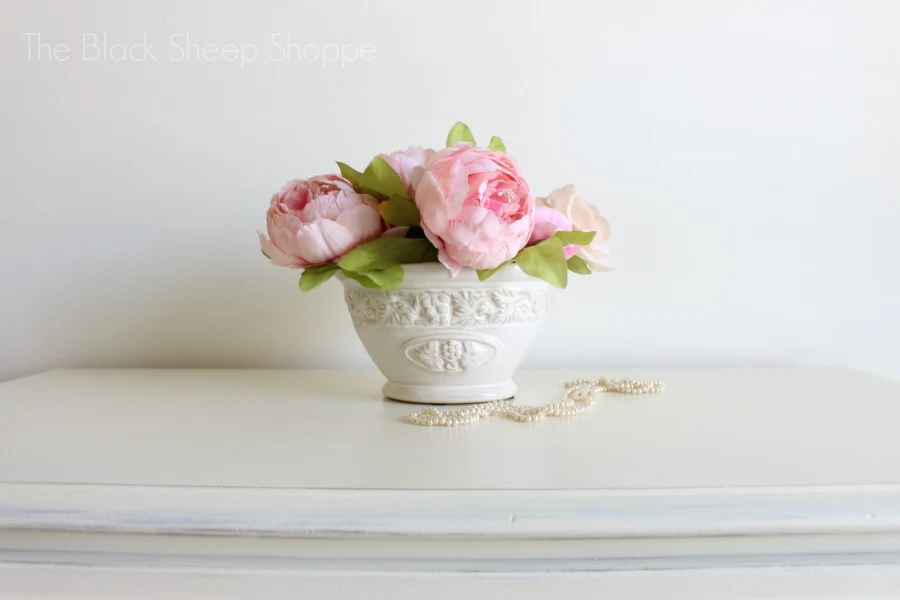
578,399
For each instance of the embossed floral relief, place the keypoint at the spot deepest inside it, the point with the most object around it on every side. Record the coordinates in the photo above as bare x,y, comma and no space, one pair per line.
450,355
456,308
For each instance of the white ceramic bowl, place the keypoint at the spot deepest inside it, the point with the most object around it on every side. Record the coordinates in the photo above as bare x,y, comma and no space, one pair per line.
439,340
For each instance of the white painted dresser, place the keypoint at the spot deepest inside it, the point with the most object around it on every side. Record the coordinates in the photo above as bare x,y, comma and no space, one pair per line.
289,484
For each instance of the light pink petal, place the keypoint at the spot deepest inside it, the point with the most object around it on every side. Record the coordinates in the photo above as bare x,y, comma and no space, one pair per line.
396,232
431,204
393,160
548,221
329,206
561,199
586,217
334,179
541,232
480,240
443,257
596,257
415,177
603,231
279,258
322,241
363,222
409,164
522,229
283,230
482,165
479,185
294,194
455,188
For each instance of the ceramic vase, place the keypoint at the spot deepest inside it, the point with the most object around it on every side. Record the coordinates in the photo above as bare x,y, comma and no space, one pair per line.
439,340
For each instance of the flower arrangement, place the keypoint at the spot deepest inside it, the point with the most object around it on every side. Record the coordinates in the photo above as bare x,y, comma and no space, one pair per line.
465,206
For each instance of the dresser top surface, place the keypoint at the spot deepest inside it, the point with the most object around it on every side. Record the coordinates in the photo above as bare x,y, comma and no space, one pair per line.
711,428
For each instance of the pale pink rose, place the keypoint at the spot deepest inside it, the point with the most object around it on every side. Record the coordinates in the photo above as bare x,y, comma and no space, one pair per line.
409,164
584,217
548,221
318,220
476,207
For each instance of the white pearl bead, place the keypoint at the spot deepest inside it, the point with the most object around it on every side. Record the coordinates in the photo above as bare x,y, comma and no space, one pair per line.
579,398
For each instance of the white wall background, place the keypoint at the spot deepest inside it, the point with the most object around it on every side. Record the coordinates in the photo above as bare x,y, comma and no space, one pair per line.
747,154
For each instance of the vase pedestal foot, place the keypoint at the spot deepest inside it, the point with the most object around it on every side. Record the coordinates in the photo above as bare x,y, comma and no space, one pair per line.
449,394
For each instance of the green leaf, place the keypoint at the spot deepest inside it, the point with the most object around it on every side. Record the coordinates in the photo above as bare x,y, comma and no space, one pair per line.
361,279
387,279
579,238
546,261
379,179
460,132
485,274
387,252
497,145
313,277
378,279
576,264
400,212
349,173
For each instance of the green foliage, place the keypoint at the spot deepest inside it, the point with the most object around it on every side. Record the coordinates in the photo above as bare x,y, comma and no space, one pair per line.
399,211
375,264
380,180
579,238
313,277
386,252
349,173
460,132
576,264
497,145
546,261
378,279
361,279
485,274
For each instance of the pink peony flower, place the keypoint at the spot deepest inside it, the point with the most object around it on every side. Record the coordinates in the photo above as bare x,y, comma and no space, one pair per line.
584,217
409,164
476,207
548,221
318,220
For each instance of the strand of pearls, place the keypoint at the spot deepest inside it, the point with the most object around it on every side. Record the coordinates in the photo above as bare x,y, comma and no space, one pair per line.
577,399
